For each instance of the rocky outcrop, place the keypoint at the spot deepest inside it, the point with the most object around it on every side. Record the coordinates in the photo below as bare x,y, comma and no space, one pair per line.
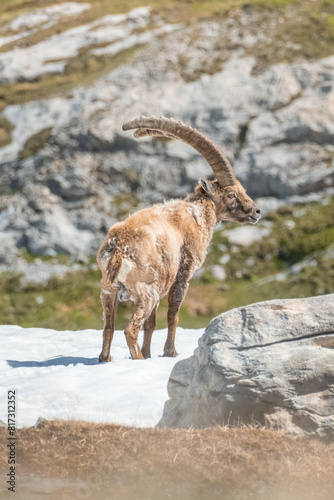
270,363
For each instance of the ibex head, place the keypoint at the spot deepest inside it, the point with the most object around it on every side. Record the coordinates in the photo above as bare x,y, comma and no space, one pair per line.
230,198
232,202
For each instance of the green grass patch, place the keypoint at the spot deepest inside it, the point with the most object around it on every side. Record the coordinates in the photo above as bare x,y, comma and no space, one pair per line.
6,128
296,233
71,302
330,21
311,281
35,143
125,204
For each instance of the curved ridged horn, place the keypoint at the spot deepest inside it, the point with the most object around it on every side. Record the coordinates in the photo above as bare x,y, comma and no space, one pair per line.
144,132
168,127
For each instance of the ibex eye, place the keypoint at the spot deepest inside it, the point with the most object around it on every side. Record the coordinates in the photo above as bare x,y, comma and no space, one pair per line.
231,195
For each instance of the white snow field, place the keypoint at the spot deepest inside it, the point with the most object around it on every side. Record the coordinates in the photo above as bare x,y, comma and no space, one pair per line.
56,375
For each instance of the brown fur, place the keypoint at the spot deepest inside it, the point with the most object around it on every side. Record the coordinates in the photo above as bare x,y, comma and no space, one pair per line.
156,251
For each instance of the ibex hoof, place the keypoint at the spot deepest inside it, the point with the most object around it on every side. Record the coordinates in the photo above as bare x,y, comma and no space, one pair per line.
146,354
103,359
170,354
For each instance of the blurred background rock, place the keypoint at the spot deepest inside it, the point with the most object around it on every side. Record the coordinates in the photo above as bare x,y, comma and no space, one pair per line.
256,77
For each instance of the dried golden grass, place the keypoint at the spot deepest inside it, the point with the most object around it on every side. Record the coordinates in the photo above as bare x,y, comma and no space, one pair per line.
134,463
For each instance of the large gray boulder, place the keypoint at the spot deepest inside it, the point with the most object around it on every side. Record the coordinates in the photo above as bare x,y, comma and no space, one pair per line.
270,363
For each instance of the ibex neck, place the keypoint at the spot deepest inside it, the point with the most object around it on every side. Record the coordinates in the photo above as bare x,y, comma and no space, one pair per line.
207,209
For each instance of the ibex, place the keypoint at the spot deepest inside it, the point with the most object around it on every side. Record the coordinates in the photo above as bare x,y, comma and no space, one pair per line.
156,251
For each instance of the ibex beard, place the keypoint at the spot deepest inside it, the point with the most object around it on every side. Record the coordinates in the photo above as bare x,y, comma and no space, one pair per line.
156,251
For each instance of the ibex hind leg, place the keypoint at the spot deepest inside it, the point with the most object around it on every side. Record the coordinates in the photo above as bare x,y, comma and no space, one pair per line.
175,298
149,327
109,303
132,330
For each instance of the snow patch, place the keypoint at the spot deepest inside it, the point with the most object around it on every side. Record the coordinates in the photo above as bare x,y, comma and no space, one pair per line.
41,19
49,15
56,375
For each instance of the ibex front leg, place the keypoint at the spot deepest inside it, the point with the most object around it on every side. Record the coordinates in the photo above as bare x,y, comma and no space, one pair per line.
109,303
175,299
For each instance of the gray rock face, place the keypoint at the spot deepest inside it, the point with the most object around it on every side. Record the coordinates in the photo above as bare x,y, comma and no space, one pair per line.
270,362
277,128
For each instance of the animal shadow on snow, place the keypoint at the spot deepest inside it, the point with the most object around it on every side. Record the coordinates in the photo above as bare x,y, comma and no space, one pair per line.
56,361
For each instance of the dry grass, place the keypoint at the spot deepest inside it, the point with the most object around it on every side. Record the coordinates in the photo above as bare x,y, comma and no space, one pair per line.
94,460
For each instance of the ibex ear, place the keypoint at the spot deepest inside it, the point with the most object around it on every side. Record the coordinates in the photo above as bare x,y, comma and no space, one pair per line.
207,186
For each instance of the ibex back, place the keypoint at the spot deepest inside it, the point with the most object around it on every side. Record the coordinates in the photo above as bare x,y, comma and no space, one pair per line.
156,251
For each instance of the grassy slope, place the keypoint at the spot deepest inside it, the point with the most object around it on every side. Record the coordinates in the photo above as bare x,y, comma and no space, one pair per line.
306,29
73,302
309,26
10,9
217,463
